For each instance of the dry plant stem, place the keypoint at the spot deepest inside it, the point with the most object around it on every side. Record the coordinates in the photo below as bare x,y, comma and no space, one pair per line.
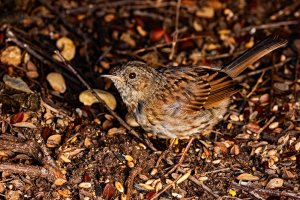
103,54
149,14
175,37
164,153
11,37
266,191
29,148
47,159
271,25
137,5
182,156
122,122
297,68
130,180
218,170
58,111
265,126
34,51
152,48
256,195
259,80
62,18
278,65
32,171
236,198
288,10
165,188
193,179
201,184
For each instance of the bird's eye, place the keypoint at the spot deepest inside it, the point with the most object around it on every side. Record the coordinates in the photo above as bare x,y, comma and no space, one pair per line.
132,75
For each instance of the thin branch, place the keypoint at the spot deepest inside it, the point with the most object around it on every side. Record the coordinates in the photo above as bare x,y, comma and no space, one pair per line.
165,188
278,65
157,46
175,36
259,81
271,25
201,184
130,180
32,171
266,191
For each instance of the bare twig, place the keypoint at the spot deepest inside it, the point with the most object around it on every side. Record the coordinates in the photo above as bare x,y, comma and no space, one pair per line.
288,10
163,155
63,19
103,54
47,159
56,110
152,48
130,180
259,81
182,157
266,125
271,25
175,35
26,147
32,171
201,184
278,65
297,68
166,188
34,51
266,191
126,4
217,170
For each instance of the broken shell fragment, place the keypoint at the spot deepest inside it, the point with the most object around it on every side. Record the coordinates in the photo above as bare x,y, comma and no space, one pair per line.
297,146
158,186
87,98
273,125
119,186
68,48
128,158
234,118
247,177
85,185
57,82
146,187
153,172
130,164
11,56
184,177
275,183
131,120
53,141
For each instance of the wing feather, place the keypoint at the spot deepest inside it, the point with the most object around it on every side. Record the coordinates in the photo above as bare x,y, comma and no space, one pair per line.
196,88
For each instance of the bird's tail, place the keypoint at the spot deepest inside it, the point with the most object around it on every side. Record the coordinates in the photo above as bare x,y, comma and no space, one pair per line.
239,64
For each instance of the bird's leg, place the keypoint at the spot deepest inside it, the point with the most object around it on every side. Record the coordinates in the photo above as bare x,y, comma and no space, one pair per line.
164,153
182,156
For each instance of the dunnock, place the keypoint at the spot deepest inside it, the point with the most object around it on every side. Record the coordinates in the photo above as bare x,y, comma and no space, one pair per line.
183,101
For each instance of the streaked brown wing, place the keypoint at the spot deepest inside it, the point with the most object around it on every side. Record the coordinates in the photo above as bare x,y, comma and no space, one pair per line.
195,88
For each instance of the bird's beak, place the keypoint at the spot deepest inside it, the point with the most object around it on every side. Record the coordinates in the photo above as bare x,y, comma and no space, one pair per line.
112,77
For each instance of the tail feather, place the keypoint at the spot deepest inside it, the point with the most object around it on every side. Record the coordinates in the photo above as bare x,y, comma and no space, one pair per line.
239,64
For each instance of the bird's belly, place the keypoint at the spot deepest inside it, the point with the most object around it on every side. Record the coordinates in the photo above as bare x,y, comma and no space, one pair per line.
181,126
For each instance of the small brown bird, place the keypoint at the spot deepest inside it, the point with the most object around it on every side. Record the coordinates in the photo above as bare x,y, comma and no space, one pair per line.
181,102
